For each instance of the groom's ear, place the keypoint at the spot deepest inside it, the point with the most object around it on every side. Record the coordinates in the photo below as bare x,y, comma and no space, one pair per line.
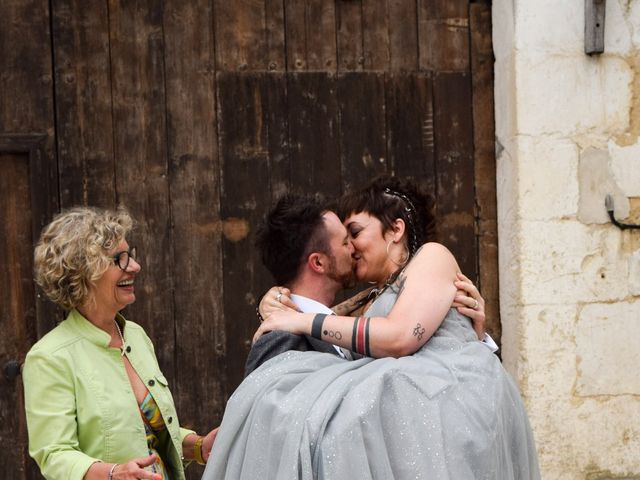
316,262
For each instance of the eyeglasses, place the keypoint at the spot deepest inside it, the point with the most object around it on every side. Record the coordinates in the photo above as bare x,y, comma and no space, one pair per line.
122,259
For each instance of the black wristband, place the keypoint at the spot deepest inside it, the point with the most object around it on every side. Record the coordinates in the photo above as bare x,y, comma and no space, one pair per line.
316,326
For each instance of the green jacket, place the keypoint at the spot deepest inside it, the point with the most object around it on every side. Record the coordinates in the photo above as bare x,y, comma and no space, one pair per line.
79,401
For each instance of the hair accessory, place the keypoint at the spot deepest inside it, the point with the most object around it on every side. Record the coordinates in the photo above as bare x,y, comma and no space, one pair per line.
410,211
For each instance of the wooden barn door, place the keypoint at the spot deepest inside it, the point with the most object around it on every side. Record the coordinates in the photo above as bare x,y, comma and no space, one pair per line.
196,115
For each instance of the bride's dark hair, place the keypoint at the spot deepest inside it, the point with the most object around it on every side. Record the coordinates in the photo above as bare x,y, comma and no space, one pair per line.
388,198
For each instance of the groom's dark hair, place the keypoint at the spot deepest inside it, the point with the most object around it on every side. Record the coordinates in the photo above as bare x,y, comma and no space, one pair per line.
291,231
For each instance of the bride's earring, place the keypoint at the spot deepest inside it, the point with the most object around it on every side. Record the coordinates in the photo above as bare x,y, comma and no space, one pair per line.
403,260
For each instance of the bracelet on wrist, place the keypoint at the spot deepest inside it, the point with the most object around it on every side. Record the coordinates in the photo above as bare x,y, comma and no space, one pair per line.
197,451
111,470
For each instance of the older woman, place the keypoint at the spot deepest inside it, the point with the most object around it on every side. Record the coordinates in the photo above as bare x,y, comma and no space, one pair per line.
97,404
427,401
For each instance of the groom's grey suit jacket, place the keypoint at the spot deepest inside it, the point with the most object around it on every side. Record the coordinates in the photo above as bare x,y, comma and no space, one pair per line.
277,342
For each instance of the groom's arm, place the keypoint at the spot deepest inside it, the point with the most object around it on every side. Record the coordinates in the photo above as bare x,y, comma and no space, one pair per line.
273,344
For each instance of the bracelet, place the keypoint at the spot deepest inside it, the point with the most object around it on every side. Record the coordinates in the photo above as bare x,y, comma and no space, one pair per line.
316,326
197,451
113,467
258,314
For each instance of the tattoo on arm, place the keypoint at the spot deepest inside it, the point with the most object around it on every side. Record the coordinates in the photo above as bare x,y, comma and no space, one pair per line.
400,283
360,336
418,332
331,334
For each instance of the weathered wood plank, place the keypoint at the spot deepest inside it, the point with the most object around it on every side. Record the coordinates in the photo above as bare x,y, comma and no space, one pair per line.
349,34
485,161
390,36
42,206
454,167
249,35
313,130
310,35
195,211
26,104
252,133
444,9
410,134
594,23
139,113
375,35
83,103
403,35
362,127
443,35
17,307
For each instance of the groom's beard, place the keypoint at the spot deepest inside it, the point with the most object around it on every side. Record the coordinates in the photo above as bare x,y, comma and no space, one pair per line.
346,278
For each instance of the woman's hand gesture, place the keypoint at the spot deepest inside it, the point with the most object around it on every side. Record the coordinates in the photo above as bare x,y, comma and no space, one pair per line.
277,298
134,469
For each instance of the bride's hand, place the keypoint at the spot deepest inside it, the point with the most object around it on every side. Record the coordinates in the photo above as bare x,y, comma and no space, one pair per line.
285,320
470,303
277,298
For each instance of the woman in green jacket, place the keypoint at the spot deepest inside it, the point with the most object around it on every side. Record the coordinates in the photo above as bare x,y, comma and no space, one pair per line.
97,404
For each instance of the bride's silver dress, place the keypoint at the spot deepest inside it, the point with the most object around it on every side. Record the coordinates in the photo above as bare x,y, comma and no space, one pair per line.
449,411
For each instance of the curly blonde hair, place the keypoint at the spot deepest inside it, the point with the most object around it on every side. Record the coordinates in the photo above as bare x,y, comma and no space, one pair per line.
73,252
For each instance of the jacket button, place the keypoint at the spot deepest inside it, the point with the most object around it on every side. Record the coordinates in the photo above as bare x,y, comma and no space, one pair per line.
152,383
170,419
128,349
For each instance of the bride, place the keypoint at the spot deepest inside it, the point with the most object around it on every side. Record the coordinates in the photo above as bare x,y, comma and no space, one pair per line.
426,401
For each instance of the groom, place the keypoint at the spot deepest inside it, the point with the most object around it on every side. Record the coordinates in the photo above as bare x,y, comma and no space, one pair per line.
306,248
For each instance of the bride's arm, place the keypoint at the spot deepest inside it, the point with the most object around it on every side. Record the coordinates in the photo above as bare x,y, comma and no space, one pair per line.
426,293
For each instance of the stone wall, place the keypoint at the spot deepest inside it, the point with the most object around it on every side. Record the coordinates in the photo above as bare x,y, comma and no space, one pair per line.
567,128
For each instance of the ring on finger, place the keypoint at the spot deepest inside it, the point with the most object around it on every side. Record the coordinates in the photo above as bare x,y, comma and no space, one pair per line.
279,296
476,304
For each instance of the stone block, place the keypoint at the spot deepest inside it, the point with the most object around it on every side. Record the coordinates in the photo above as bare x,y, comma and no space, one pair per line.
596,180
503,34
572,95
608,349
610,419
625,165
556,27
634,273
548,178
616,452
633,18
505,98
566,262
548,350
550,26
617,31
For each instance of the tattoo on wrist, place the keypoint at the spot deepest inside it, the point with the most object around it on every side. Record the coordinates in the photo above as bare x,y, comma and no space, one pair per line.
360,336
418,332
331,334
316,325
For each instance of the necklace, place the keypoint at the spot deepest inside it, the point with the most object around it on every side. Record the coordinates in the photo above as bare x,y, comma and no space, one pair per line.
121,337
